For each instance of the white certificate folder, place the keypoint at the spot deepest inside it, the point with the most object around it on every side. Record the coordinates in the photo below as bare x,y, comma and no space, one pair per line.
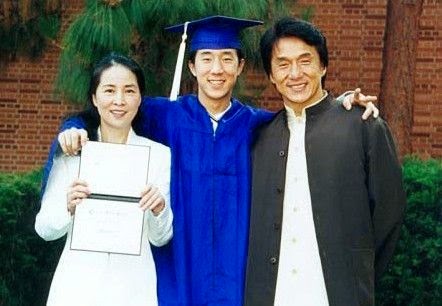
110,220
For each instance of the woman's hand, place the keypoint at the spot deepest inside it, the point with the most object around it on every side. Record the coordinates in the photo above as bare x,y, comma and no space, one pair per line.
72,140
77,191
152,199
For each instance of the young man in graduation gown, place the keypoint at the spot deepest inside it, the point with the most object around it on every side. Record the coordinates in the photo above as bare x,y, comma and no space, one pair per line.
210,136
327,197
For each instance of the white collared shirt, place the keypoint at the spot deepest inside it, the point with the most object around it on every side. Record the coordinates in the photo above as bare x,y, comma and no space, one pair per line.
216,117
300,278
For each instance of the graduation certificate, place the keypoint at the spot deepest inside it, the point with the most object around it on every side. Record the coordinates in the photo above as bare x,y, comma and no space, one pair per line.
110,220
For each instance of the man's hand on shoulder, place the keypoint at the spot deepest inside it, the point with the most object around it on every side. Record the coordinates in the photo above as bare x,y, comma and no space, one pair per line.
357,98
71,140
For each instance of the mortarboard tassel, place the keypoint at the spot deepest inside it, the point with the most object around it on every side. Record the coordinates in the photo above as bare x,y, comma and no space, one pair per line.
179,67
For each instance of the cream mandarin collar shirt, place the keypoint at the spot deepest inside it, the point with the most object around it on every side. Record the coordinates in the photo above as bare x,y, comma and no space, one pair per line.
291,113
300,279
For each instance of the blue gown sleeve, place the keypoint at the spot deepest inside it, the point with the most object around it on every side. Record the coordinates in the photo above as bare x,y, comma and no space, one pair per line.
155,119
73,121
259,118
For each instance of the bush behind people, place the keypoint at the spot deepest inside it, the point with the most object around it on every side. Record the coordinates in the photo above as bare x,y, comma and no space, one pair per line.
414,276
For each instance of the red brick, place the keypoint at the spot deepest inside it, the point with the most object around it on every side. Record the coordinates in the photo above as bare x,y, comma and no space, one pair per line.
30,113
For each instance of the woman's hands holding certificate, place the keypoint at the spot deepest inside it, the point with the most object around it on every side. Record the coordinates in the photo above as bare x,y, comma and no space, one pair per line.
151,198
77,191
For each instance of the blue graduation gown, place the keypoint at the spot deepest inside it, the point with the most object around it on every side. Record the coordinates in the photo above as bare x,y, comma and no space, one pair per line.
204,264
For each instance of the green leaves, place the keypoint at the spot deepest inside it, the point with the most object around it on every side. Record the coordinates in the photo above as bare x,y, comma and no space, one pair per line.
26,27
49,26
136,28
27,260
415,274
93,34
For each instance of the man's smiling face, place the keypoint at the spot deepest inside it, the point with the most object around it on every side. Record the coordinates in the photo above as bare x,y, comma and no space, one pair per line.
296,72
216,72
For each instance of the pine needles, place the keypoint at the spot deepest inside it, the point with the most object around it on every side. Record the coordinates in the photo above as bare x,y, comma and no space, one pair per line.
136,28
26,25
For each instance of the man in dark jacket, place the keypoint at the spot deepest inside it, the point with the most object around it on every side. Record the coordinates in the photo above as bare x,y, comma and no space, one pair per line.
327,196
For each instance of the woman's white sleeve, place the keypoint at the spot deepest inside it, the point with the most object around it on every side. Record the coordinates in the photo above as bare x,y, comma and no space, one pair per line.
160,226
53,219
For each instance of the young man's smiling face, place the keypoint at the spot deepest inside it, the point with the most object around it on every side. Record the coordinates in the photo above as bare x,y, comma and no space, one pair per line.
216,72
296,72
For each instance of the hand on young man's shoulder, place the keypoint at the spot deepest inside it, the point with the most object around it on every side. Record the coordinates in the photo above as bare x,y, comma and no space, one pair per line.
72,140
357,98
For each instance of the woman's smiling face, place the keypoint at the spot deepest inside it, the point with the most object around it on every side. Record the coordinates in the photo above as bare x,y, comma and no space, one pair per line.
117,97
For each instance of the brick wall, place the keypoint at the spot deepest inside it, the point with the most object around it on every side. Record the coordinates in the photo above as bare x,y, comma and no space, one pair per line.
355,30
30,113
427,116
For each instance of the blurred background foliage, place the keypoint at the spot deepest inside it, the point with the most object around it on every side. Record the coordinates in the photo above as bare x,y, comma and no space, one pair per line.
27,261
26,26
136,28
414,276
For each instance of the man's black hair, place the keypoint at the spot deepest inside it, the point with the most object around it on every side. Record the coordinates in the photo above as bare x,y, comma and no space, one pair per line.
293,27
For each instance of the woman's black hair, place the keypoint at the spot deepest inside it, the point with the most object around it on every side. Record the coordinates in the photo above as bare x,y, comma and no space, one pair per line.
90,115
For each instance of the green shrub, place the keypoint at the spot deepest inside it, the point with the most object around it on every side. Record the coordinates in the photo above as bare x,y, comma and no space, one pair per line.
27,261
414,276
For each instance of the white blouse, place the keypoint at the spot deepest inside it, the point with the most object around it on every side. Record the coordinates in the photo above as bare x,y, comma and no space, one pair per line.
93,278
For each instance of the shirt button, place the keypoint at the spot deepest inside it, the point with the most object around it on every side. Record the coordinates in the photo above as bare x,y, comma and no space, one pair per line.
294,271
281,153
273,260
295,209
294,240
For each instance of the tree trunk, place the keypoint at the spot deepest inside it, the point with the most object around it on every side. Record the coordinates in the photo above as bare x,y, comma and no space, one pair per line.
399,68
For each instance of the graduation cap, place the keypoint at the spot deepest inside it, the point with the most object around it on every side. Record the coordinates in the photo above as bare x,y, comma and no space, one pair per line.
214,32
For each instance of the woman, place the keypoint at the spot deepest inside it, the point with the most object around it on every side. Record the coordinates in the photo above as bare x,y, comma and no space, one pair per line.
94,278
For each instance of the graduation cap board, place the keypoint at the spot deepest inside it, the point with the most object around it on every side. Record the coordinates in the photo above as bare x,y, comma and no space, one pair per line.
214,32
